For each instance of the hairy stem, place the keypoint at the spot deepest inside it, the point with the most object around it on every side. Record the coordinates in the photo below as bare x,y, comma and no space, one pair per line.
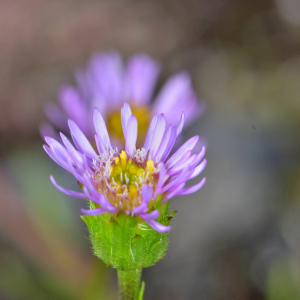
129,283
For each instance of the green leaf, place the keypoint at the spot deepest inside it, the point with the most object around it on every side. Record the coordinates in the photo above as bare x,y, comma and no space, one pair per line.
141,294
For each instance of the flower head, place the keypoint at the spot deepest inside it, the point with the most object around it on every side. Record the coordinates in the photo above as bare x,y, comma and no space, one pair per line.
134,181
106,84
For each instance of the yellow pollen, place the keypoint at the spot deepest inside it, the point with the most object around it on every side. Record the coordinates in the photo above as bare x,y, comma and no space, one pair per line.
132,169
126,180
133,190
123,157
150,164
140,171
118,190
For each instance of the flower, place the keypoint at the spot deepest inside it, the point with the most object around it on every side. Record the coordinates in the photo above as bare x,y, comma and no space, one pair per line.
134,181
106,84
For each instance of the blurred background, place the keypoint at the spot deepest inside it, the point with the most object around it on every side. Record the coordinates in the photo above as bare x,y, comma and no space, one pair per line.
237,238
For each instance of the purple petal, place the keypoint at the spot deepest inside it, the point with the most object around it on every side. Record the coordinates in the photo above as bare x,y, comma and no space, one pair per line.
56,116
175,181
193,189
140,209
93,212
71,148
58,150
76,170
173,193
143,72
193,108
90,197
66,191
160,181
102,200
172,99
147,193
172,90
146,196
46,129
188,145
158,134
60,156
79,162
106,204
150,133
61,161
131,135
100,145
180,165
87,181
100,128
96,98
91,193
157,226
53,156
74,107
107,70
164,143
152,216
81,142
125,115
198,157
170,144
180,125
199,169
176,96
86,164
80,75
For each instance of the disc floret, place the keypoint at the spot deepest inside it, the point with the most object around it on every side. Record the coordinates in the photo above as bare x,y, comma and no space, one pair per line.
121,178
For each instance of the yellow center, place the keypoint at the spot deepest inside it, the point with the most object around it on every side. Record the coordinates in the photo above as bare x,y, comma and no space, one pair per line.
128,175
121,178
114,124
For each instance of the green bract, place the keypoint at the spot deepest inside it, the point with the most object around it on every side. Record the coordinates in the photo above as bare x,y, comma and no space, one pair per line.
128,242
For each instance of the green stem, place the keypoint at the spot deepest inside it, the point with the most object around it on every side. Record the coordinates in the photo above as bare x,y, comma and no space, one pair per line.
129,283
